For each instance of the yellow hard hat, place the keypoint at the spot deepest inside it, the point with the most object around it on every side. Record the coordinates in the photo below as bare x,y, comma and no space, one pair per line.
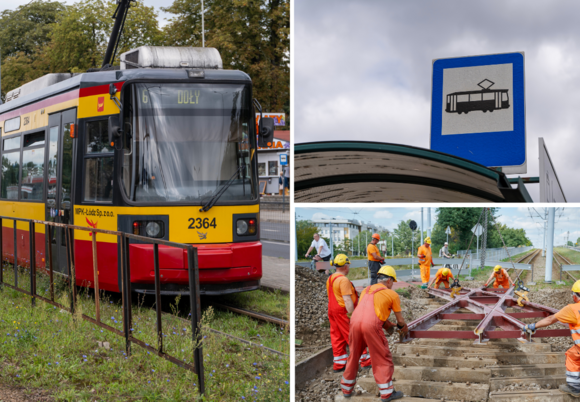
428,240
445,271
389,271
340,261
497,268
575,287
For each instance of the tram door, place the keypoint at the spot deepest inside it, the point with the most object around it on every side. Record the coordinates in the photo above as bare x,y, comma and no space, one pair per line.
59,199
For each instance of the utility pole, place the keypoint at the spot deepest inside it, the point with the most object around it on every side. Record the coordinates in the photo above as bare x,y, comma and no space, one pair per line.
331,250
296,235
366,238
549,253
422,225
202,25
393,244
428,222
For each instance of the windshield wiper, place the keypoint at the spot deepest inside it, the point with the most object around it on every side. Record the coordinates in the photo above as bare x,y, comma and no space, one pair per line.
208,205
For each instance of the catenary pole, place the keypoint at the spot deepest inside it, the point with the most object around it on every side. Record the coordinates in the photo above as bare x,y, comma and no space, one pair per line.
550,250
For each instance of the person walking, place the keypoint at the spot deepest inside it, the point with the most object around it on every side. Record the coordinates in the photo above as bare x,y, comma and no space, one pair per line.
568,315
425,261
374,257
281,183
366,330
342,301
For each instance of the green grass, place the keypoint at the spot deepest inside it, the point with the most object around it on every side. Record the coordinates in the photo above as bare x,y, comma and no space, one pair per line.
42,347
572,255
515,257
272,303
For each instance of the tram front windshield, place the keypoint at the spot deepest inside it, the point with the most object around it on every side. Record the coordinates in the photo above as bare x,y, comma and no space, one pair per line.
186,142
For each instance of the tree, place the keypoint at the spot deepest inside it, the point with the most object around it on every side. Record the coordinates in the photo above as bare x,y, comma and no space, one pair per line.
79,42
251,35
24,33
305,231
570,244
407,240
461,221
27,29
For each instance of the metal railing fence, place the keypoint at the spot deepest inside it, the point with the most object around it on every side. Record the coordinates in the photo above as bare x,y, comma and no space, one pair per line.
275,221
123,256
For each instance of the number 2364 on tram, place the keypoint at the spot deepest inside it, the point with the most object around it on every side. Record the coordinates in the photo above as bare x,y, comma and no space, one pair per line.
163,147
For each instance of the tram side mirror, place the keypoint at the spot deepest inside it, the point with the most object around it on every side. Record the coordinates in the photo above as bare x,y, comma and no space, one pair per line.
114,129
266,132
112,89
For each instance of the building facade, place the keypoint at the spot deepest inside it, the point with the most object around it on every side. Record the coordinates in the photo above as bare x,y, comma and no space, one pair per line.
269,167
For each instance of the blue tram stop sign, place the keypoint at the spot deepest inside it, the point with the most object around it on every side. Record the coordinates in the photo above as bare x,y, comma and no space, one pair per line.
478,110
283,159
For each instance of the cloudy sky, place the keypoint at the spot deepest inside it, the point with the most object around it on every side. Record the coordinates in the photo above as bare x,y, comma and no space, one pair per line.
567,219
363,69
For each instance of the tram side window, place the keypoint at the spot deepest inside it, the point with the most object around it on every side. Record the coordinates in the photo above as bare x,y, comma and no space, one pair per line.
32,185
98,185
10,173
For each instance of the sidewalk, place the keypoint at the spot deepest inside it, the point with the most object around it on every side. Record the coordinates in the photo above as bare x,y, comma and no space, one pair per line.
276,273
275,216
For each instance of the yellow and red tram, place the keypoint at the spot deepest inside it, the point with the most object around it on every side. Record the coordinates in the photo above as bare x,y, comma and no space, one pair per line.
182,167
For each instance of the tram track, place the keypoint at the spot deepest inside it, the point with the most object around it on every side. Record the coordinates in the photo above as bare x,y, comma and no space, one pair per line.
526,259
253,314
561,260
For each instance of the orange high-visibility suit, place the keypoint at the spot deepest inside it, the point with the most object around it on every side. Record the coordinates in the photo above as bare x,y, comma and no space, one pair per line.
571,315
501,278
425,263
338,286
366,329
439,278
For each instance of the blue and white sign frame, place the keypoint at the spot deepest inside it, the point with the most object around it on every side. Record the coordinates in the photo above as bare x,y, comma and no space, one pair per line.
478,110
283,159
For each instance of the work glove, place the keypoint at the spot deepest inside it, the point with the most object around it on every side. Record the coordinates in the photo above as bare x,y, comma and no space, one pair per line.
389,327
530,328
404,329
382,261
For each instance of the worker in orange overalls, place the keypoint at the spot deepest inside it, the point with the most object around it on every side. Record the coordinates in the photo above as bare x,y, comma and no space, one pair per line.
568,315
366,329
342,300
501,278
374,256
442,276
425,261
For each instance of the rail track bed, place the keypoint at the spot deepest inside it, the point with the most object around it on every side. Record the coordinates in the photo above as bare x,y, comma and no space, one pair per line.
501,370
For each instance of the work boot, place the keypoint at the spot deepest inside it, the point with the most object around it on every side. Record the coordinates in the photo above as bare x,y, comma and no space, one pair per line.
565,388
394,395
340,370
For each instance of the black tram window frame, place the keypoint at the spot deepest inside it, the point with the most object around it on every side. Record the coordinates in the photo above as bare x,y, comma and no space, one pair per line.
117,170
44,180
82,143
21,150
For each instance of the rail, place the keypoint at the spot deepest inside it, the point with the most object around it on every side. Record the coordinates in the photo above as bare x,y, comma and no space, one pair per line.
123,256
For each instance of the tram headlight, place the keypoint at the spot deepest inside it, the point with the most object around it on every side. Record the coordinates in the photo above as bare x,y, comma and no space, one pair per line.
242,227
153,229
247,227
